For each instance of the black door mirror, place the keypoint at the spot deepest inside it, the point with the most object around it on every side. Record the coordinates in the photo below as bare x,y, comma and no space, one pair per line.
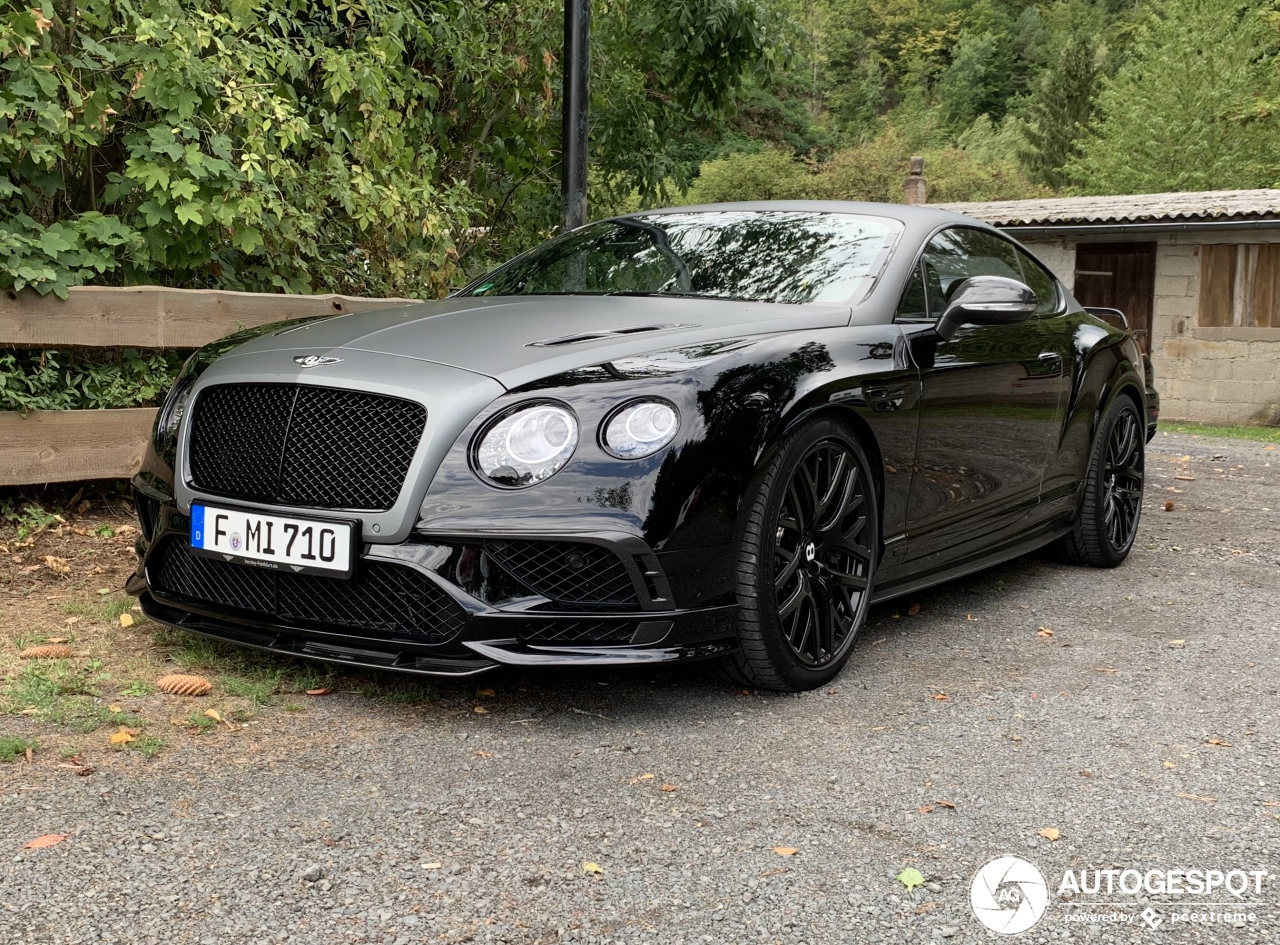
986,300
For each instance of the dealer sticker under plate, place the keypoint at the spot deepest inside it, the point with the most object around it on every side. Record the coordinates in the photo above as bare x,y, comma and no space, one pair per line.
276,542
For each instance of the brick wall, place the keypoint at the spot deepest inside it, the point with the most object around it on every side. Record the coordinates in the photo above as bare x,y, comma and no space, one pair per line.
1208,375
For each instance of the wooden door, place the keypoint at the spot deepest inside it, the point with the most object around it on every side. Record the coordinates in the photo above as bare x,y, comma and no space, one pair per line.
1119,275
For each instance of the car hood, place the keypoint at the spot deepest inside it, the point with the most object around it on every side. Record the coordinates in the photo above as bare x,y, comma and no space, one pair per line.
518,340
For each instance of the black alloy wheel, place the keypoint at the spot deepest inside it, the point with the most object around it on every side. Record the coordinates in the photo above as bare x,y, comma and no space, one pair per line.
807,561
1111,505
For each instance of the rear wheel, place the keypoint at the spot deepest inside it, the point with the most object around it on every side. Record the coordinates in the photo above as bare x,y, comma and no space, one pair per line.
1112,502
806,561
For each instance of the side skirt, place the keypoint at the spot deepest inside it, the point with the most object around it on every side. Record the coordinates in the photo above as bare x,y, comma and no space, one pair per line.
909,583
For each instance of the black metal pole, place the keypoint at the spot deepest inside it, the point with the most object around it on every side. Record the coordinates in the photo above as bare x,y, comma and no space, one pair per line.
573,136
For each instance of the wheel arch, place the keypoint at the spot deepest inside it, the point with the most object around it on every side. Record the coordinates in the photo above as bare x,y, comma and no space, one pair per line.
862,432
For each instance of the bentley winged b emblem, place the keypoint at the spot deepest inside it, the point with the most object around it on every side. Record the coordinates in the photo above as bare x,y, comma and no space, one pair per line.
315,360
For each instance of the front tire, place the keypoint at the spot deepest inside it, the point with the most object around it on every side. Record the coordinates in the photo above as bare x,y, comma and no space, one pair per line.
806,561
1111,505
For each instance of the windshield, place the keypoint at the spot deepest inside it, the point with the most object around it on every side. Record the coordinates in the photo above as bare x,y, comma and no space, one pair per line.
769,256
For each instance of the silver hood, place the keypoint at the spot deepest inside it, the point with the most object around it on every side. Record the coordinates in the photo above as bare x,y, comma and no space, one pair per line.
518,340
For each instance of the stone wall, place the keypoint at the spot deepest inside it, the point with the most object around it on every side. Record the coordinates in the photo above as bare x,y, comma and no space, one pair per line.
1206,375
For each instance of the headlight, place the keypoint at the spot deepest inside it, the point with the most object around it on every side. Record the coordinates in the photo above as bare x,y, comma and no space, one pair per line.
641,429
527,445
169,416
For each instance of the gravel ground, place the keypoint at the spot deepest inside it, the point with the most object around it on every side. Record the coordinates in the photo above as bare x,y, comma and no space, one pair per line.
1143,729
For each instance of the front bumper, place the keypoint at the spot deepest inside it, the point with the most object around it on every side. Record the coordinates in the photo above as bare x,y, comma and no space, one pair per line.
438,605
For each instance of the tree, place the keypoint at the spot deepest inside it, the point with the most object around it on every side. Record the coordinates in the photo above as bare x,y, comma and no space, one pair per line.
372,146
1183,112
1062,109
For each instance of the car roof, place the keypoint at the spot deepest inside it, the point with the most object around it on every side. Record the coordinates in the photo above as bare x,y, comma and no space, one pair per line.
912,216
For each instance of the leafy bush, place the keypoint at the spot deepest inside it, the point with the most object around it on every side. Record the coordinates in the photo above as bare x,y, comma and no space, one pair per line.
372,147
85,379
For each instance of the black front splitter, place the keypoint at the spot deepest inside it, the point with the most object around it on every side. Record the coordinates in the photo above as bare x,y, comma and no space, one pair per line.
483,656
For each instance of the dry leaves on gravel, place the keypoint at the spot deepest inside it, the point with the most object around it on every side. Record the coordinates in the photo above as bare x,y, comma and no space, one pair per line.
1052,834
48,840
786,851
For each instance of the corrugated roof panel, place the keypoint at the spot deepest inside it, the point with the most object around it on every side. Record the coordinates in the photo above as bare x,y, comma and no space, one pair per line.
1128,208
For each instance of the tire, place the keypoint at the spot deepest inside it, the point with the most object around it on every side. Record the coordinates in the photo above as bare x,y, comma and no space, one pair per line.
807,552
1111,505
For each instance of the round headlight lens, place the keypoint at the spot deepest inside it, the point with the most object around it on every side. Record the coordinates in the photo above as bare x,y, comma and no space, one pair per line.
527,445
641,429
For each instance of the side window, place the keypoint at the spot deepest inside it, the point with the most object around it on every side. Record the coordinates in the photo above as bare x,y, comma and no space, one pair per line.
1042,283
961,253
914,305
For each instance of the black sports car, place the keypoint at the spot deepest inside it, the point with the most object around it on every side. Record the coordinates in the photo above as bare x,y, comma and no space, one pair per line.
708,432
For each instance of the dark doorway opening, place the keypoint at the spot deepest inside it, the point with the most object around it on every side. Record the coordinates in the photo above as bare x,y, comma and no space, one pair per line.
1123,276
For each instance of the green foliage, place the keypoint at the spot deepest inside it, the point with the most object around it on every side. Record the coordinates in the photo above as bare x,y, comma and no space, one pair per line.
13,747
84,379
373,147
1192,108
871,171
27,519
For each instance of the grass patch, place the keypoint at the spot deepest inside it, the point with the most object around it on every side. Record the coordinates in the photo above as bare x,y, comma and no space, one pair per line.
56,692
257,691
108,608
399,691
13,747
137,687
1239,432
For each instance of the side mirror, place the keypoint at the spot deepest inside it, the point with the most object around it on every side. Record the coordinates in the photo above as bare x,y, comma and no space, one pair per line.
987,300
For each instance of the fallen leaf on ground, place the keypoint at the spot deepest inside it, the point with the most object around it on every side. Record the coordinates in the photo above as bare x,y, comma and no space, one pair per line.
431,866
773,872
786,851
1044,632
212,714
911,878
668,788
941,697
913,610
1170,764
1268,447
126,620
947,804
641,777
481,753
114,708
926,809
1219,742
48,840
480,710
56,564
485,693
1168,506
1185,478
1052,834
122,737
323,691
593,868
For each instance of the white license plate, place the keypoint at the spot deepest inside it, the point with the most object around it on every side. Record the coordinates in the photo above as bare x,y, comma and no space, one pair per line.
276,542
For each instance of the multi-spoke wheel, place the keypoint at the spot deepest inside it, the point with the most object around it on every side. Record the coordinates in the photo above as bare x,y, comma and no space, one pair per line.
806,560
1112,502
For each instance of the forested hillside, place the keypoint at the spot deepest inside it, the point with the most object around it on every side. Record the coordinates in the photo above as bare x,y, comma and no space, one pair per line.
1010,98
394,146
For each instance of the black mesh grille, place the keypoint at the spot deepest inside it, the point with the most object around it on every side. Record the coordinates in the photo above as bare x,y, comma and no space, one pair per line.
567,571
382,598
292,444
578,631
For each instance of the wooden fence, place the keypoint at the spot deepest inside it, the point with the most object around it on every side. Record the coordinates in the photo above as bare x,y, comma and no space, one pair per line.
67,445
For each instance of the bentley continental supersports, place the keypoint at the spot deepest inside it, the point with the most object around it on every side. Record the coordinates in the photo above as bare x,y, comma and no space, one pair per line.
717,432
